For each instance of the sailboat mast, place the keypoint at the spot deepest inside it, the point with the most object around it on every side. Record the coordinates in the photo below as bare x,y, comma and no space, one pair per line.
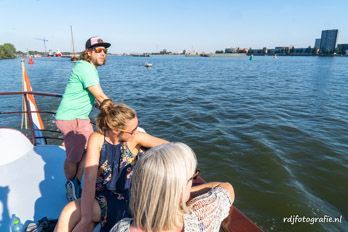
72,40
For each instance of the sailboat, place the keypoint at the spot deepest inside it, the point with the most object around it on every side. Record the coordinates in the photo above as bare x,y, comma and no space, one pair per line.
74,57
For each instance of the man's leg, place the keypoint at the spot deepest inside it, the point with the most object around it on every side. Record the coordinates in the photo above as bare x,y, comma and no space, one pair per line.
70,169
74,147
73,173
84,129
68,128
76,133
81,167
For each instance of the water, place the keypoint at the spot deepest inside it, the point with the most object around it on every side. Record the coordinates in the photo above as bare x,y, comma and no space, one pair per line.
275,128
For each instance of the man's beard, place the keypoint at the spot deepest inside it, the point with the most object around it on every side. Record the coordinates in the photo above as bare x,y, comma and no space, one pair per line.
97,64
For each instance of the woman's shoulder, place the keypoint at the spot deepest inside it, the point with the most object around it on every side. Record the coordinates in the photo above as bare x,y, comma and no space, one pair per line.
122,226
139,135
135,140
97,136
96,139
218,195
210,208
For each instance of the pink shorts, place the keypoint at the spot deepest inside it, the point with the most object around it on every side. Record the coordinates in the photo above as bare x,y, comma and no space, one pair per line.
76,133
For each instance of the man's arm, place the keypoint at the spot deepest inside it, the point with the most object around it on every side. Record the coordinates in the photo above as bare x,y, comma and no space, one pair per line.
98,93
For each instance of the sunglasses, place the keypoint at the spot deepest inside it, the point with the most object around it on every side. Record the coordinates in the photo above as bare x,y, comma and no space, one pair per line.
195,175
129,132
100,49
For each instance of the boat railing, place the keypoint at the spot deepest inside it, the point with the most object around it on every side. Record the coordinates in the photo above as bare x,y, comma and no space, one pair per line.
28,112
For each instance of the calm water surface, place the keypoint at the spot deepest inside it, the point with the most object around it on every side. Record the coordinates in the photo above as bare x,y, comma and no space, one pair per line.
275,128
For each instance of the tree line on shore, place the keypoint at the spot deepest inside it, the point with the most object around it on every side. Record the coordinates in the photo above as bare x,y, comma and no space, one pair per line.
7,51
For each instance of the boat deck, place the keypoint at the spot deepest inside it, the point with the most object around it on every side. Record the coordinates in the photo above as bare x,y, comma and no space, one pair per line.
31,179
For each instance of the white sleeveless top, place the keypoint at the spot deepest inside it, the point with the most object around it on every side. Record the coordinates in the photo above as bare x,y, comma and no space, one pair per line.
207,212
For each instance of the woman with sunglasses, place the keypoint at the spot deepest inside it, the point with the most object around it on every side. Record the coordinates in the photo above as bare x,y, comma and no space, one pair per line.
72,117
163,199
111,154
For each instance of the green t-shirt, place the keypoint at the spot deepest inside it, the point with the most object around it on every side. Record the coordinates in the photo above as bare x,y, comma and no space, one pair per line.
77,101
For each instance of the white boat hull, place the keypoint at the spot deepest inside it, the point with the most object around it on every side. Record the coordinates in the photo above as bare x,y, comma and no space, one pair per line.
31,179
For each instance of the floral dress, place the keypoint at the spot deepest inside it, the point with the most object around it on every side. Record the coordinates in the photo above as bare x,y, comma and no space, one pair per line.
113,182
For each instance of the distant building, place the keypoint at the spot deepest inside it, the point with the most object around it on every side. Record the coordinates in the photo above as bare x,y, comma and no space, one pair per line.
258,52
303,51
231,50
283,50
328,41
317,43
342,49
271,51
242,50
164,52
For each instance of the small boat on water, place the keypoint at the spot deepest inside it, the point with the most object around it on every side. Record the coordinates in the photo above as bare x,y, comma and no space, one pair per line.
148,65
74,58
58,53
204,55
140,55
31,169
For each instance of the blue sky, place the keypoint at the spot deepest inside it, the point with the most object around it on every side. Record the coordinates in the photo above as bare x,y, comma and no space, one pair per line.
152,25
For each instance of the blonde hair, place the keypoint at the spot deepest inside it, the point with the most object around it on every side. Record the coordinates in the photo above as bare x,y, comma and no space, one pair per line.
159,186
84,56
113,116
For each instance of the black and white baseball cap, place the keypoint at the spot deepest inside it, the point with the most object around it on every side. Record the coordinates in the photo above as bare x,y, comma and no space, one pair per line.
96,42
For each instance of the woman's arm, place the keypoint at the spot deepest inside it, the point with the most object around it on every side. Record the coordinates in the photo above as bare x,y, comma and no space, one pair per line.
91,168
146,140
204,188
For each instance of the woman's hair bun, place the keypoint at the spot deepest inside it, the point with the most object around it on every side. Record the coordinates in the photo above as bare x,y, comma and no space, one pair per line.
106,106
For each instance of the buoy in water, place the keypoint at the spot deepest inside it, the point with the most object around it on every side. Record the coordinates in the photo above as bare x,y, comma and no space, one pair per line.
31,61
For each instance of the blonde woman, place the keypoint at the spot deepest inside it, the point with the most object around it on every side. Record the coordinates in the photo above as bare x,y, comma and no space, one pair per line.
111,153
160,193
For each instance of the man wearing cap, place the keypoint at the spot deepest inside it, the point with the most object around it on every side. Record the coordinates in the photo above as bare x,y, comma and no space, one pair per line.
72,117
